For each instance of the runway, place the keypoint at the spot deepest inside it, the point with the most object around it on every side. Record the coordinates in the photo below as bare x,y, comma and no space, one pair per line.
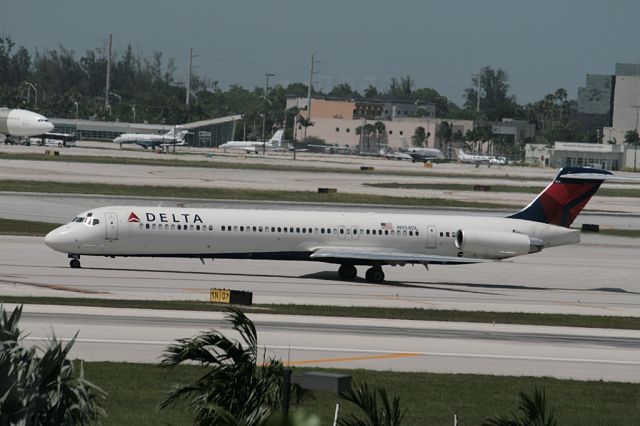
598,276
294,180
141,336
60,208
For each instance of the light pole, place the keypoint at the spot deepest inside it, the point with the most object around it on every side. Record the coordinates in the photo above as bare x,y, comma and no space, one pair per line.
635,142
28,93
264,117
133,109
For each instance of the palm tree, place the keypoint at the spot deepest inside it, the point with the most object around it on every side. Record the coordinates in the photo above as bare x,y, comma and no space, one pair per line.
380,129
534,412
445,133
235,389
377,413
44,390
418,137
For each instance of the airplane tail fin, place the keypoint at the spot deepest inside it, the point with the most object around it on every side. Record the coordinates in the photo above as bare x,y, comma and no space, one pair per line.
564,198
277,137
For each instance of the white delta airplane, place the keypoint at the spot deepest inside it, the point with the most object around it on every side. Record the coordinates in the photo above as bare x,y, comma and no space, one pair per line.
489,160
255,146
173,137
22,123
349,239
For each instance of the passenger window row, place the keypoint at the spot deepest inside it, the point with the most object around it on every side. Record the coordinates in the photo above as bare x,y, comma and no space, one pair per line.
281,229
167,227
305,230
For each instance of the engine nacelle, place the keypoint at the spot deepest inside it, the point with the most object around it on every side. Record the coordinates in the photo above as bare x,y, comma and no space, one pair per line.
495,244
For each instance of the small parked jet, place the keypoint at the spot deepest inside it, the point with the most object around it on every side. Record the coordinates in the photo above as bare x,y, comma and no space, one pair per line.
344,238
489,160
22,123
256,146
150,140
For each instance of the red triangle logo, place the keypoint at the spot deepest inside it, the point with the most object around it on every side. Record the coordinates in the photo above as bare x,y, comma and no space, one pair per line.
133,218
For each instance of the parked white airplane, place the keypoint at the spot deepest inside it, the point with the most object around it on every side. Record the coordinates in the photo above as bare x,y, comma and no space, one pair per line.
489,160
393,155
173,137
22,123
256,146
344,238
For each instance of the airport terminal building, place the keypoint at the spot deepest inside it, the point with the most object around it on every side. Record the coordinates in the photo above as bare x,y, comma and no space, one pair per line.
204,134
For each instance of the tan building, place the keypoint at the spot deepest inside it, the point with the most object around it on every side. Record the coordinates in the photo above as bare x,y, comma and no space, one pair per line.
397,133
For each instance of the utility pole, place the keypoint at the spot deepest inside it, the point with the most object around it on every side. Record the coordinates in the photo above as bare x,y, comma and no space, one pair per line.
309,95
189,77
635,142
478,92
106,93
264,116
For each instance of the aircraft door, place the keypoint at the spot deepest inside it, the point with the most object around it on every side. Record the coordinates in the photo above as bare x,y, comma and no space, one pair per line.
111,223
431,237
355,233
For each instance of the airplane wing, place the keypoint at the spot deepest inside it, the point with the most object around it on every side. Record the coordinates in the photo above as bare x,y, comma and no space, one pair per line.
391,257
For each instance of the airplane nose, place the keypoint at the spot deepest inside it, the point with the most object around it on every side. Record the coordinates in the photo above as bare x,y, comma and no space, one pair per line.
58,239
48,127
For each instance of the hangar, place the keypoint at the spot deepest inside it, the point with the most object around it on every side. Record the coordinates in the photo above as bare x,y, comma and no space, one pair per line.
206,133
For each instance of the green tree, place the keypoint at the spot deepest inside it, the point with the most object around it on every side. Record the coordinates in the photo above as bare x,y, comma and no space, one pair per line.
42,389
343,90
495,101
445,134
376,407
401,89
419,137
371,92
534,411
231,365
631,137
432,96
381,133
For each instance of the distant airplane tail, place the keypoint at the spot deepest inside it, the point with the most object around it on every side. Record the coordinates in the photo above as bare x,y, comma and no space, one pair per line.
564,198
175,131
277,137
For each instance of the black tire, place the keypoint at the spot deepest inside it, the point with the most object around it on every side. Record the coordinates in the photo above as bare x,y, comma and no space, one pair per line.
347,272
375,274
75,263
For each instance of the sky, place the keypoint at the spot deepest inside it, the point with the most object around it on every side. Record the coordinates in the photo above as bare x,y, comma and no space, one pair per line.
543,45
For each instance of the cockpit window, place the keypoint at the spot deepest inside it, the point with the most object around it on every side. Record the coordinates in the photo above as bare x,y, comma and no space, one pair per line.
78,219
95,222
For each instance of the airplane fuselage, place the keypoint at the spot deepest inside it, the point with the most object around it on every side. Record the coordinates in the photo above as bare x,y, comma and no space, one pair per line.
295,235
20,122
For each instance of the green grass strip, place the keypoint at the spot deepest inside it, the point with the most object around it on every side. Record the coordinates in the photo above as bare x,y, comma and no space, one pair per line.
234,194
25,227
136,390
605,192
590,321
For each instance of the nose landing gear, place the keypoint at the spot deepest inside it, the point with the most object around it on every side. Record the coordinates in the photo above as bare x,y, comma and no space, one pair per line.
75,261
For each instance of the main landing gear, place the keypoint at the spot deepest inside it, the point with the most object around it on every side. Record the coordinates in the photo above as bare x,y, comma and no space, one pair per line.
75,261
374,274
349,273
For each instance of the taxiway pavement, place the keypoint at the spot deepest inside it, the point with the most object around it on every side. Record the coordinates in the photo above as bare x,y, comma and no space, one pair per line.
141,336
598,276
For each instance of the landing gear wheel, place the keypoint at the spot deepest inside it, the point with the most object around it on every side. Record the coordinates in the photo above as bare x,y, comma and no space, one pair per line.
75,263
347,272
375,274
